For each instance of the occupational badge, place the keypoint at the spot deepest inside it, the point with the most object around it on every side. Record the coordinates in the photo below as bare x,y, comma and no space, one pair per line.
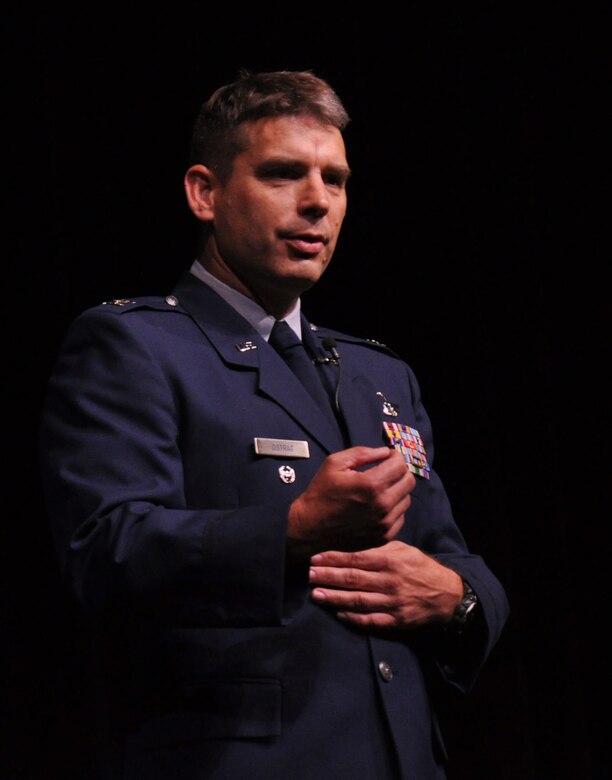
287,474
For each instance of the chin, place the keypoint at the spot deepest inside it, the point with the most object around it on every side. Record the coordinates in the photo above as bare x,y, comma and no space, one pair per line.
307,280
309,265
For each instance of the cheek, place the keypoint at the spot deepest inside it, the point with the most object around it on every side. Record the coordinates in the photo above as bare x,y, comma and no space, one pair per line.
241,225
340,212
338,220
262,216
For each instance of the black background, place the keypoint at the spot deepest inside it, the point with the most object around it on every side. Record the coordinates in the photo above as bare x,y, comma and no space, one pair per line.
473,246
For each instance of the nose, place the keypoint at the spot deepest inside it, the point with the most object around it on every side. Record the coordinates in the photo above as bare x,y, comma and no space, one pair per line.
314,198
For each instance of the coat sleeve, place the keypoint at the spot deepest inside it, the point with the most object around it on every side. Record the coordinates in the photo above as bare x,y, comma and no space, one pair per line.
113,475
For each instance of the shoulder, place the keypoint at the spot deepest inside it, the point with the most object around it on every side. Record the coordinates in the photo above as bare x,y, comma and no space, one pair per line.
123,306
320,332
143,317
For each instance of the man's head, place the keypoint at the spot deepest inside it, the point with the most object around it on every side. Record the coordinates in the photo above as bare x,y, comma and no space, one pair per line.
268,183
219,131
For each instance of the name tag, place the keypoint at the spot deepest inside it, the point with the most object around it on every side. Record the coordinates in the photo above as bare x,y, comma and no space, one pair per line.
282,448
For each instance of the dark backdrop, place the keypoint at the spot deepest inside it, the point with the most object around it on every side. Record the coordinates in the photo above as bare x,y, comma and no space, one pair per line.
473,246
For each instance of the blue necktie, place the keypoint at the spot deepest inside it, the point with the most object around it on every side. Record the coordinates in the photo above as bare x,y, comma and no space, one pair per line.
292,350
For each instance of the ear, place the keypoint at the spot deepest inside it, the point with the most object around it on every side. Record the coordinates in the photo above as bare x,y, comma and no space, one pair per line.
200,182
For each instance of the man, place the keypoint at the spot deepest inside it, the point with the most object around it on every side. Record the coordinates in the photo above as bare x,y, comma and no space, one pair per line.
277,580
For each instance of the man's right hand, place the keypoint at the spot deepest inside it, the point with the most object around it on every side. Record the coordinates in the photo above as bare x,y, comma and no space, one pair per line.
357,500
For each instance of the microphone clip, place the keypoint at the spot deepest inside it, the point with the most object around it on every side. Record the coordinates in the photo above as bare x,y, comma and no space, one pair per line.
325,361
329,345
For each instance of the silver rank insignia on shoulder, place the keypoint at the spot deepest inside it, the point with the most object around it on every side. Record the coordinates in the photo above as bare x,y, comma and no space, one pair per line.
245,346
287,474
118,302
391,410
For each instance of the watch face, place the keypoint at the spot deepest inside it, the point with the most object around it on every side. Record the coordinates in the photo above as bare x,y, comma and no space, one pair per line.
470,603
464,610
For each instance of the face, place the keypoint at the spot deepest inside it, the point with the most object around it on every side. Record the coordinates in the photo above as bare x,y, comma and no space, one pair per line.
277,220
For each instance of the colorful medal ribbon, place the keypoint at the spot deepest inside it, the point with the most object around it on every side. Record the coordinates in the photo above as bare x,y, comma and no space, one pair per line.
408,441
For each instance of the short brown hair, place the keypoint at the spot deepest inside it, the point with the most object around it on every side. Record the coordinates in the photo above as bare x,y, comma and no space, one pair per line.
217,136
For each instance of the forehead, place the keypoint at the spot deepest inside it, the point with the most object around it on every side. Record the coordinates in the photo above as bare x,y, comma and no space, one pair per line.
293,136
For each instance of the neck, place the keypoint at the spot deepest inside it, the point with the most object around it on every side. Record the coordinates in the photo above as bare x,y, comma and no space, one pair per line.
276,303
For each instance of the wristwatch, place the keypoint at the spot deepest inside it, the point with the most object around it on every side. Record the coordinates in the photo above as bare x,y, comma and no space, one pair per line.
465,610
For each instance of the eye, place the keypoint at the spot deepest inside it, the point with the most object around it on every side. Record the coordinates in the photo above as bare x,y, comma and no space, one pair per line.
334,179
284,173
281,172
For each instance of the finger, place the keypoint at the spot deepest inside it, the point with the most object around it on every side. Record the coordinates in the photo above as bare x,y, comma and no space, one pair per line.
388,473
395,528
372,559
388,490
356,457
352,601
370,619
346,578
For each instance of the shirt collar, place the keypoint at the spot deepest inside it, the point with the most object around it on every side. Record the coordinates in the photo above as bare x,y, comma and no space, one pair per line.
251,311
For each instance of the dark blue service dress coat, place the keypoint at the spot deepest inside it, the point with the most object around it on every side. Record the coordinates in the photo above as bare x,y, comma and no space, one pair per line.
170,528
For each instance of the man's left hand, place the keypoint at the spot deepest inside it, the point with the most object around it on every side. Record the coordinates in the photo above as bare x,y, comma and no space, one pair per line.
393,586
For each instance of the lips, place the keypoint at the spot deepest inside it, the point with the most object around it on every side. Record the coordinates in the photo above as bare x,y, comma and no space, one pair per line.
306,243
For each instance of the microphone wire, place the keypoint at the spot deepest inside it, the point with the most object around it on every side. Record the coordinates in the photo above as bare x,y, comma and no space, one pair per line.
329,344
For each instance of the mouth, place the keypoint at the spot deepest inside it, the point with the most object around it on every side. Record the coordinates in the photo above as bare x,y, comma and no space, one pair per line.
308,244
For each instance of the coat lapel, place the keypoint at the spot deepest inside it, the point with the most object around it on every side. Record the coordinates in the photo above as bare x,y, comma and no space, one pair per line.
360,404
239,345
361,408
